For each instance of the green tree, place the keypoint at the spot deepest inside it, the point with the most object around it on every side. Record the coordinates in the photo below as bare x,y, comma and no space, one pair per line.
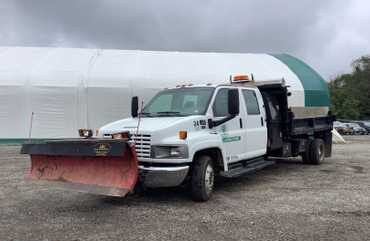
350,93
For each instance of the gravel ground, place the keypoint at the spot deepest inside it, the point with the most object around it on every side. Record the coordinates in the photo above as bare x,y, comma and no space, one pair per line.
287,201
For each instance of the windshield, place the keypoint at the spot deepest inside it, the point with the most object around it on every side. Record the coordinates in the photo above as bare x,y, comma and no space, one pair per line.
179,102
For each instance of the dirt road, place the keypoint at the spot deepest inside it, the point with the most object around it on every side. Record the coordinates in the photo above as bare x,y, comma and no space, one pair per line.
288,201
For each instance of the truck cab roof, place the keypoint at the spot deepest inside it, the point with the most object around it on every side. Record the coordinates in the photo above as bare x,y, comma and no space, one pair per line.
250,84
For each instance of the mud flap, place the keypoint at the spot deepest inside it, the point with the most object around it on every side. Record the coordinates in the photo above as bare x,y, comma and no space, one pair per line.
106,167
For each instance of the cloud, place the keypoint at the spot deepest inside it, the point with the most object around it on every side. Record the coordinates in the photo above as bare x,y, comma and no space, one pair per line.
326,34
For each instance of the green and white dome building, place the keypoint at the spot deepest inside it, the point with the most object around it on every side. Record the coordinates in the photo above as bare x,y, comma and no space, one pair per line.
63,89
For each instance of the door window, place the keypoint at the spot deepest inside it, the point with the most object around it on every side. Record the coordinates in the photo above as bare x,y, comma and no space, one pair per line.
220,106
251,102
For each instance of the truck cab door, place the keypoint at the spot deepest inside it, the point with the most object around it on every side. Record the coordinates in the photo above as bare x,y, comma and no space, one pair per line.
255,134
230,132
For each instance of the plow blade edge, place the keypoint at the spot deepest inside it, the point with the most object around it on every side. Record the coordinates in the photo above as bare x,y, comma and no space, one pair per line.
107,167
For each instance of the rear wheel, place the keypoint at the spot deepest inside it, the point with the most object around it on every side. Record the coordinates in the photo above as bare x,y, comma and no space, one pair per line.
315,153
202,178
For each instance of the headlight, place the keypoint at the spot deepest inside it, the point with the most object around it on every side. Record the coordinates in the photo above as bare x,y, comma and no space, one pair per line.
161,152
121,135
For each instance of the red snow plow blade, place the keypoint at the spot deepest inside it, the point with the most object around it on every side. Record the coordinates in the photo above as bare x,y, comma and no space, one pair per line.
98,166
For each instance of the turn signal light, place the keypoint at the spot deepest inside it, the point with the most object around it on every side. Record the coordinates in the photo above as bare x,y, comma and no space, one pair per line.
183,135
85,133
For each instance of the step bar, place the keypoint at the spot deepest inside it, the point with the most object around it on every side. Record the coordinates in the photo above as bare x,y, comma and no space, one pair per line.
246,167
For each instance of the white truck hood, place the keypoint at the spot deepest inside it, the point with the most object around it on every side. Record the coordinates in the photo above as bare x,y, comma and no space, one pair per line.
148,125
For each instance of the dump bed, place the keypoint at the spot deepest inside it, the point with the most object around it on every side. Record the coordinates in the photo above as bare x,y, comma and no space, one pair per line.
287,134
309,126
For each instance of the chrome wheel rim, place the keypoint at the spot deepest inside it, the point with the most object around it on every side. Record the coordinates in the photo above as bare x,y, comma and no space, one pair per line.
209,179
321,152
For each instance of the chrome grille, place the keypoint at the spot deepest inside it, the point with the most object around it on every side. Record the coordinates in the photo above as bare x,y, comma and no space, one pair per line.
142,144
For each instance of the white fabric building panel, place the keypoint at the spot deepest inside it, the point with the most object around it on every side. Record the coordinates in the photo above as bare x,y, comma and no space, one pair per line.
67,89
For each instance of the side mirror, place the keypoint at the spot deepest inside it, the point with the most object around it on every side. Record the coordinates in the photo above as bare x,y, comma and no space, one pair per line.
233,97
134,106
211,123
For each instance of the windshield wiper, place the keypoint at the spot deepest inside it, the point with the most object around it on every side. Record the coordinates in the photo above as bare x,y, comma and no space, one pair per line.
169,113
146,114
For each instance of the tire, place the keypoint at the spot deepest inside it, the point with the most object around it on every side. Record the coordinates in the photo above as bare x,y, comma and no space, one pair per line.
202,179
306,155
317,152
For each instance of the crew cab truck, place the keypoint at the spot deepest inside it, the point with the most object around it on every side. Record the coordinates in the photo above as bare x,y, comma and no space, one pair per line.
193,133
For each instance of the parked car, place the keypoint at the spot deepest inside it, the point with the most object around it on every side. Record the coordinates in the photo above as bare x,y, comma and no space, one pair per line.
357,129
342,128
365,125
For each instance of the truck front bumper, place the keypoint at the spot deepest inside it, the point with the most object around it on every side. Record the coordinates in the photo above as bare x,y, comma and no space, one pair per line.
163,176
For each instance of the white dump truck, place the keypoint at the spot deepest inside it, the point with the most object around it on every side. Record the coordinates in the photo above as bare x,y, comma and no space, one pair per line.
194,133
202,126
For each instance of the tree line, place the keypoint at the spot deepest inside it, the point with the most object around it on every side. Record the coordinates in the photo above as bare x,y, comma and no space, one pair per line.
350,93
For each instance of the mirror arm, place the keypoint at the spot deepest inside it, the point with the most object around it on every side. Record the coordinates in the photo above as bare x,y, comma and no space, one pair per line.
220,122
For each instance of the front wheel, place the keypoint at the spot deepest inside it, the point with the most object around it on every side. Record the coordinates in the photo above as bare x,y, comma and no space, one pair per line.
202,179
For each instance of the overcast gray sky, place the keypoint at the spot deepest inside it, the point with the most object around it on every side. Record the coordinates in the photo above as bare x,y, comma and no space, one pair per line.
328,35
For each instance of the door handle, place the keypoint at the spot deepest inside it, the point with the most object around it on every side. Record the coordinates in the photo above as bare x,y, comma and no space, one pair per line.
261,121
241,123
